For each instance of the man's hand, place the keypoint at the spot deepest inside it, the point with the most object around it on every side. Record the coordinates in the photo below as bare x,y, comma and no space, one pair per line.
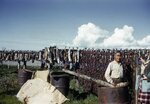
122,84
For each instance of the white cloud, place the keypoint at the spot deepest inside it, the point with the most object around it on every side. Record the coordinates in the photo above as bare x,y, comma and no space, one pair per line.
90,35
145,42
121,38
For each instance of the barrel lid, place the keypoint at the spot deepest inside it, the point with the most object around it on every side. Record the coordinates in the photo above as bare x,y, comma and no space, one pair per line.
26,70
59,74
104,87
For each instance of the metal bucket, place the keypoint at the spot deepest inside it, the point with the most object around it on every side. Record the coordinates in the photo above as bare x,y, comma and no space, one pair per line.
61,81
108,95
23,76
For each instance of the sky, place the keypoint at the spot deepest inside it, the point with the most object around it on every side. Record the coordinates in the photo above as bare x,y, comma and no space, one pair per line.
35,24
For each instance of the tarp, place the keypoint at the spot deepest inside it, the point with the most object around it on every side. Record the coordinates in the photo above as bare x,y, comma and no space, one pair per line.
38,91
42,75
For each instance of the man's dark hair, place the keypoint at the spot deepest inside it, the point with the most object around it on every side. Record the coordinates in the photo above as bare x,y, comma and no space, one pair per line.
118,52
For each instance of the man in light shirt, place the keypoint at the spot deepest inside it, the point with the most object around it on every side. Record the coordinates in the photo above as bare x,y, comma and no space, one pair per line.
114,71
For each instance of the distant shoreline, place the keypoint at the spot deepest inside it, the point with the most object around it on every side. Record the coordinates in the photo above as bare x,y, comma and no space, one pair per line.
15,63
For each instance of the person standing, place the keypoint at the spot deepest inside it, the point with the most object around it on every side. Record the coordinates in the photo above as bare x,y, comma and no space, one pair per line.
144,85
114,71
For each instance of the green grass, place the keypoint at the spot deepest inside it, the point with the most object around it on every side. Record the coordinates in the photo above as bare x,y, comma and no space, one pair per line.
8,99
90,99
8,85
9,88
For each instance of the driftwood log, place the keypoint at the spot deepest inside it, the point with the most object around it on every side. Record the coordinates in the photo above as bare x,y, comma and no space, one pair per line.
98,81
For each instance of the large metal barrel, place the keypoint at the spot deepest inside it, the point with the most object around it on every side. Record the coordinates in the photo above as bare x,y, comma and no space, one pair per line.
61,81
118,95
23,76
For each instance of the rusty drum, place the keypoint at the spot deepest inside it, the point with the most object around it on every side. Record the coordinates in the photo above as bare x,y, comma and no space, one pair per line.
118,95
61,81
23,76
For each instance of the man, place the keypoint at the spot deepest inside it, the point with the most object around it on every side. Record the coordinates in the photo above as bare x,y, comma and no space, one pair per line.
114,71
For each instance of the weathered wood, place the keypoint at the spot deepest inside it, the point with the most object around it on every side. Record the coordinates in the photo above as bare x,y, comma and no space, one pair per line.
100,82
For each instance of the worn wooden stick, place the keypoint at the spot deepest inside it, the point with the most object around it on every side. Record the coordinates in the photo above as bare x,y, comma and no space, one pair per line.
100,82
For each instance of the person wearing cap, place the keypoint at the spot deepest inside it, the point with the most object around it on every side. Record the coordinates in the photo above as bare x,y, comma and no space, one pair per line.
114,71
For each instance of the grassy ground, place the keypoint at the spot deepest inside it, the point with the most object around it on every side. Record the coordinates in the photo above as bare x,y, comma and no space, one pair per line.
8,99
8,85
9,88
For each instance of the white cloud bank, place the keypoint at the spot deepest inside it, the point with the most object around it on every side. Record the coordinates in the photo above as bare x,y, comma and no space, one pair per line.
145,41
90,35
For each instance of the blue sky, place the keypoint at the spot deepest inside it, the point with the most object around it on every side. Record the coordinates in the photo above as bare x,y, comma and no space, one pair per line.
34,24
